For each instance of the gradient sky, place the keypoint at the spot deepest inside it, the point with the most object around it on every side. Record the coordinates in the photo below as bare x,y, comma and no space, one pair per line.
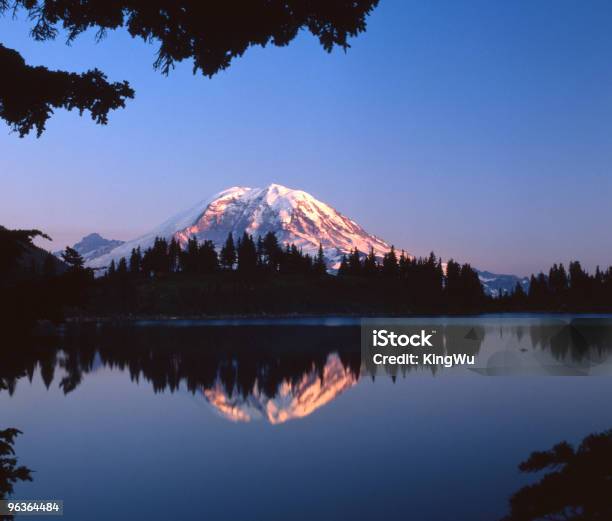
480,130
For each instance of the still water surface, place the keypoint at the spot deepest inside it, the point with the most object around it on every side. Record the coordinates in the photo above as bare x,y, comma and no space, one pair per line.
271,420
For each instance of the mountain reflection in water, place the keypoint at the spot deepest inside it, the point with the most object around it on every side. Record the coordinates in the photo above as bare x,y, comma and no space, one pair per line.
194,421
293,399
244,373
273,372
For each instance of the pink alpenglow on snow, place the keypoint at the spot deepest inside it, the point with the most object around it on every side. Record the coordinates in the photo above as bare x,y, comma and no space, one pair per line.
295,216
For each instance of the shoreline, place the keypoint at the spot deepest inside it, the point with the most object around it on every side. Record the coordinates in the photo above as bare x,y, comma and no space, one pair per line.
280,316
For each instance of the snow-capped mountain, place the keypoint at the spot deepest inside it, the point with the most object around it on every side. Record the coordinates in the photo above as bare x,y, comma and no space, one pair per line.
293,215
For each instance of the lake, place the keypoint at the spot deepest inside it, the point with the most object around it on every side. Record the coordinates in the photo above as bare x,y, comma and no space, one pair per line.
279,419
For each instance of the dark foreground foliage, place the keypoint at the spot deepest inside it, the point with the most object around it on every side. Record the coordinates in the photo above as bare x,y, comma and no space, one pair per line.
577,485
10,472
210,34
29,95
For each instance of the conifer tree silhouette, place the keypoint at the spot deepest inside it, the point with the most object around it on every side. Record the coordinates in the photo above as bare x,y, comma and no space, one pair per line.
210,34
320,266
370,265
389,264
343,270
228,253
354,263
73,258
135,261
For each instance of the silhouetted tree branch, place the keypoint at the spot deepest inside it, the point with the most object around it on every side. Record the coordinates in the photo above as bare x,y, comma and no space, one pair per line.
13,243
211,34
28,94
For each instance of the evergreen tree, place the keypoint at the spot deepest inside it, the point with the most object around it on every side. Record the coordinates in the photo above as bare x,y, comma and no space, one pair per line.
557,280
272,252
519,294
354,263
73,258
228,253
532,288
598,276
260,252
147,262
247,254
208,261
370,266
440,276
122,268
472,292
320,266
344,268
174,252
538,291
156,260
579,283
135,261
307,264
293,260
112,270
286,260
452,287
402,265
433,283
389,264
188,258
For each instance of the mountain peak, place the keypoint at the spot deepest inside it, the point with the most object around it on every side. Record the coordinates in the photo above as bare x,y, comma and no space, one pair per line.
295,216
92,237
94,245
278,188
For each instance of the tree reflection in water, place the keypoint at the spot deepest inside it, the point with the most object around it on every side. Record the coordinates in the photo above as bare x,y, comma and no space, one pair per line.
245,373
250,371
283,372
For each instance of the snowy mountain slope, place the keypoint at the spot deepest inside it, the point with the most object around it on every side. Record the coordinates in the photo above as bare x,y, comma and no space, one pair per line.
293,215
493,283
93,245
166,230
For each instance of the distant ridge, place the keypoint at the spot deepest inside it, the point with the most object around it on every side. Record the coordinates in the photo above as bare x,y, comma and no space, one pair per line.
94,245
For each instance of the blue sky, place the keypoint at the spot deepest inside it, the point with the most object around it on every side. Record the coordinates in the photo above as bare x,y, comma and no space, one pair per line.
480,130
